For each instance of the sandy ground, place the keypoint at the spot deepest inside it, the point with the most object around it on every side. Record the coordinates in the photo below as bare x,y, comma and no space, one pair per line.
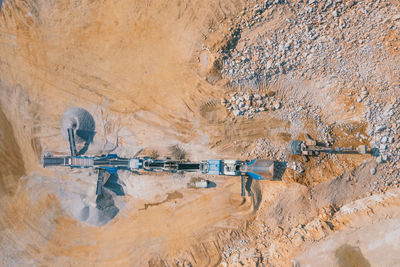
372,228
131,64
146,71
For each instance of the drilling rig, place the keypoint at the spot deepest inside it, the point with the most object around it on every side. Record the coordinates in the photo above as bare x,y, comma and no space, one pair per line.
257,169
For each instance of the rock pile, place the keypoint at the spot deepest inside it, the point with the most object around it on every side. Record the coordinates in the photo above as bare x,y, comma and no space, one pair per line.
248,104
340,39
317,39
384,129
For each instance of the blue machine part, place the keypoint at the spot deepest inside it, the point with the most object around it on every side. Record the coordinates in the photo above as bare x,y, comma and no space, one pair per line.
214,166
251,162
255,176
252,174
110,170
260,169
111,156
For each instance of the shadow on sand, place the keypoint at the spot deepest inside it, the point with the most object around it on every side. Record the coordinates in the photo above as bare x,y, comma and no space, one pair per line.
87,136
105,201
113,185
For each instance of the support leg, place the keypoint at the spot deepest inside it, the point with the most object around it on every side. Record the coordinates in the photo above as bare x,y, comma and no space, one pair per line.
71,140
100,180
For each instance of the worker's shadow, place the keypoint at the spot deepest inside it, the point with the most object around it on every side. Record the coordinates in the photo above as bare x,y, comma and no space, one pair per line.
279,169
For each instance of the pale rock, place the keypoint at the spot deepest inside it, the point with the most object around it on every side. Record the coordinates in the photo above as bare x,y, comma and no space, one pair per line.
380,128
382,147
259,103
257,97
277,104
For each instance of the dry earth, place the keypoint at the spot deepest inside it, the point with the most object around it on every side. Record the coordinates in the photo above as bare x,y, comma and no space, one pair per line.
153,73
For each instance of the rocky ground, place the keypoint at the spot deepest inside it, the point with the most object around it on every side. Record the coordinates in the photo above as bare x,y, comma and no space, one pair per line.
347,44
349,49
219,79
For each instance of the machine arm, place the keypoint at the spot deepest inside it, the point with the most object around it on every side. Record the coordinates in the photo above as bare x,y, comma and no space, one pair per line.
243,185
71,139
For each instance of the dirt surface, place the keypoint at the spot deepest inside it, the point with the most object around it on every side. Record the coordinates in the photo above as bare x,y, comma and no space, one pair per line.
218,79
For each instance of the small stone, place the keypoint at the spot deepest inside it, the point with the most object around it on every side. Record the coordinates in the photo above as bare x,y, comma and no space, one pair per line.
380,128
259,103
373,171
257,97
241,105
382,147
379,160
269,64
384,140
359,99
277,104
236,113
350,3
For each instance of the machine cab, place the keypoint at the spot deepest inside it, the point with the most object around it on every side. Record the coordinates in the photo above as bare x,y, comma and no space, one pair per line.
231,167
